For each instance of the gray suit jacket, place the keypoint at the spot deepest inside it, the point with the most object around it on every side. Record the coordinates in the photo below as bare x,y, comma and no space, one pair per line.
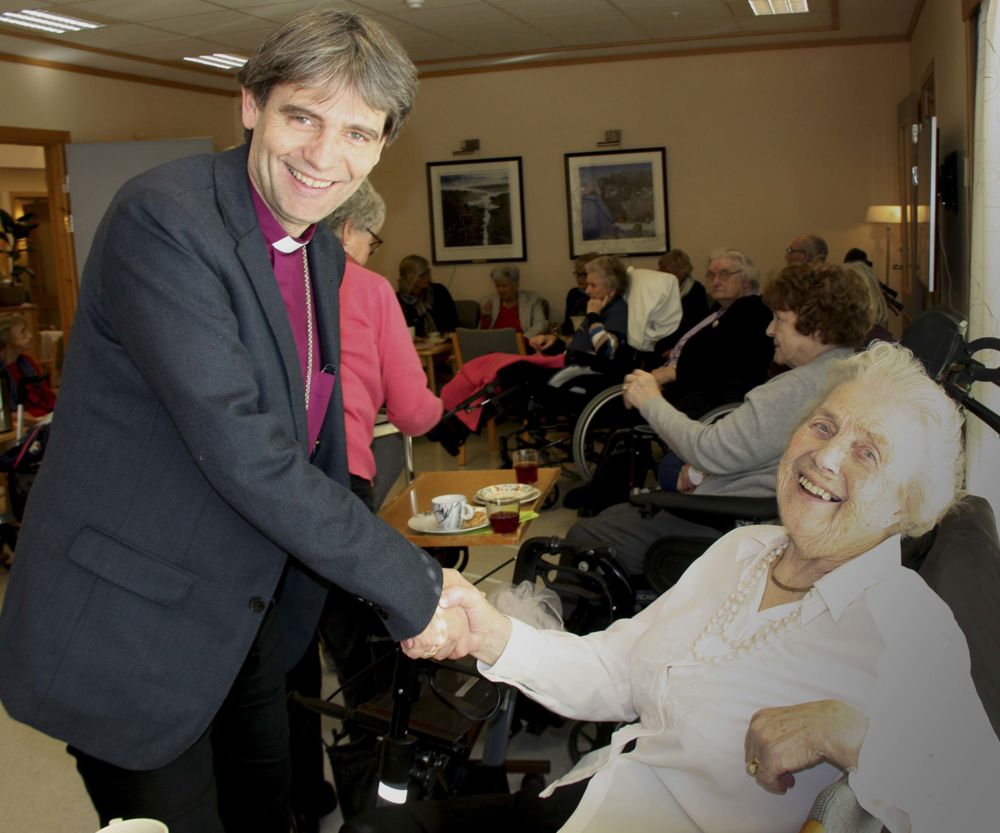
177,498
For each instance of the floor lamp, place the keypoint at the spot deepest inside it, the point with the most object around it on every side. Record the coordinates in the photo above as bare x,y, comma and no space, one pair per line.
887,215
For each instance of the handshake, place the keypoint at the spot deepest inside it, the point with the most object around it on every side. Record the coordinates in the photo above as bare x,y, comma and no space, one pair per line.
464,623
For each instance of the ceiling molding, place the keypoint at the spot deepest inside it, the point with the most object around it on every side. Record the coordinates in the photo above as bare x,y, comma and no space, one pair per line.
676,53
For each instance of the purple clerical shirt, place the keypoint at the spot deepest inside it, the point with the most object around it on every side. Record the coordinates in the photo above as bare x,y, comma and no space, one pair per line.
286,260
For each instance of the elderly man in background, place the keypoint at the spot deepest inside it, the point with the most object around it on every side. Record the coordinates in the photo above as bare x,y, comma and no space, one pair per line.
193,508
807,250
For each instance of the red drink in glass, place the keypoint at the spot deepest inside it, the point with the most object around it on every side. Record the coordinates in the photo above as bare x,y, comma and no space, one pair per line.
504,522
526,472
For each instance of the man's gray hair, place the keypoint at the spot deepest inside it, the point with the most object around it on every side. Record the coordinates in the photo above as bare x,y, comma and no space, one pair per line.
816,247
329,46
899,377
751,274
365,209
506,272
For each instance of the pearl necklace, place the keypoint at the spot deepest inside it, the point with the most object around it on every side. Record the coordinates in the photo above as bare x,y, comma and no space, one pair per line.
718,625
309,326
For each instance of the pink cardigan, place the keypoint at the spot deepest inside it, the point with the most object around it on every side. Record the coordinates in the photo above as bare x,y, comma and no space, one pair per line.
378,364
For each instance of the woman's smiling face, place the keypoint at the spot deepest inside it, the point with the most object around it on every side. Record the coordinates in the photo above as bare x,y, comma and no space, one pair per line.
842,482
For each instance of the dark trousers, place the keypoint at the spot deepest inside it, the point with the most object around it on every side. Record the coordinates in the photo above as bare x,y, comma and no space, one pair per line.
234,779
523,812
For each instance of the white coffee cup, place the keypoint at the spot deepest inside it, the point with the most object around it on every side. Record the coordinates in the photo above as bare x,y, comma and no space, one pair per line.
450,511
135,826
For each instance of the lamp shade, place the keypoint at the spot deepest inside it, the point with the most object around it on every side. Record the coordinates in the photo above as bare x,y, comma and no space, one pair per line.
884,214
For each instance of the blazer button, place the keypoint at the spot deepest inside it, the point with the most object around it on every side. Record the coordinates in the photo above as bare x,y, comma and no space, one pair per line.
258,605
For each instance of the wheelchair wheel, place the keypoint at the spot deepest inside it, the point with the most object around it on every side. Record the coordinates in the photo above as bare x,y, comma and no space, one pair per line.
603,415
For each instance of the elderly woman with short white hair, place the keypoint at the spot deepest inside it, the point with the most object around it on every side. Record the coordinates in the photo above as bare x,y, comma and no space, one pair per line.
511,306
784,657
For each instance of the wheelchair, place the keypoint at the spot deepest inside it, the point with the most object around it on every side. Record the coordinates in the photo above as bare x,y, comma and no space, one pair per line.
416,737
545,405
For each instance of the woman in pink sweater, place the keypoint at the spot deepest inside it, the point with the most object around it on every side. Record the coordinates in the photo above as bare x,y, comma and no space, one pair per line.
378,363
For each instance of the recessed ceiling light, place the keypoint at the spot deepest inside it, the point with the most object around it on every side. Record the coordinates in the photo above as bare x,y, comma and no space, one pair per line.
46,21
761,7
220,60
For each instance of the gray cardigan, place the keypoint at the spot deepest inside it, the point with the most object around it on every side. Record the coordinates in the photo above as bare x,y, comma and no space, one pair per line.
740,453
530,309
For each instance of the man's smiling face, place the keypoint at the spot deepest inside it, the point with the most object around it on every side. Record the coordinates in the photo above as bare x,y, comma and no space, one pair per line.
311,148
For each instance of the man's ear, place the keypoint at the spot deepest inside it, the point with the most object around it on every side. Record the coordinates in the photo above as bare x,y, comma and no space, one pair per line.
249,110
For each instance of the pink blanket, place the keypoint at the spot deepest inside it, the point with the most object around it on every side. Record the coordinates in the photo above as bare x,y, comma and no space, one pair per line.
477,373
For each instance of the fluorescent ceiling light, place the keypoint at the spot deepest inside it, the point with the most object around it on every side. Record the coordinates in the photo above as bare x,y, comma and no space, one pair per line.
761,7
46,21
219,60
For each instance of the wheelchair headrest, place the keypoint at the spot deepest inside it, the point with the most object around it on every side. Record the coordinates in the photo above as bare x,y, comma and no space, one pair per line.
937,338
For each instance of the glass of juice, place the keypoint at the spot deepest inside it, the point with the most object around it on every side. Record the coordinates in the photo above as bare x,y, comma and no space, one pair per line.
504,514
525,465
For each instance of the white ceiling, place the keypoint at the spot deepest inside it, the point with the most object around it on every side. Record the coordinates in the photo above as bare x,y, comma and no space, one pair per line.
149,38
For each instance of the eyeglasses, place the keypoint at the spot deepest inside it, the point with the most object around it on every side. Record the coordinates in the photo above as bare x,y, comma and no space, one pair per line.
376,242
581,274
791,251
723,273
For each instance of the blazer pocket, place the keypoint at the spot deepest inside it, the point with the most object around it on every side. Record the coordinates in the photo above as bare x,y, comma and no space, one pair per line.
130,568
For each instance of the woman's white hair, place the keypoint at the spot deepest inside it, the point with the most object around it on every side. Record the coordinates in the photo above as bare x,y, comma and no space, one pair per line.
751,274
899,377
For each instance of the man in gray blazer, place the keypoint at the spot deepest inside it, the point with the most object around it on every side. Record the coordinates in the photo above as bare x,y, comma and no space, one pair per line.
192,507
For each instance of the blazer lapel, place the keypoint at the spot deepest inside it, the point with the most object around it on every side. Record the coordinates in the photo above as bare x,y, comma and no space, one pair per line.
326,264
236,206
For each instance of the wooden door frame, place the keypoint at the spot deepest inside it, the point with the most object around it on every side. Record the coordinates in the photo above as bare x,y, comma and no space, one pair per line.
54,142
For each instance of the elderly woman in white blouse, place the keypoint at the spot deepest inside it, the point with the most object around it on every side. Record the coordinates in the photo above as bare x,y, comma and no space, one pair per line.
785,656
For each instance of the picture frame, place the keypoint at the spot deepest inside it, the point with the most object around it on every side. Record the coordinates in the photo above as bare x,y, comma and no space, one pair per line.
617,202
476,210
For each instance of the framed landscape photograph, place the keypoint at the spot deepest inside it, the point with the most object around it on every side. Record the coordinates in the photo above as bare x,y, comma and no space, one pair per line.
617,202
477,210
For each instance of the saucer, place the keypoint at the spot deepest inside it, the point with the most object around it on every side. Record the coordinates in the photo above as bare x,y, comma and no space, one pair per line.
426,523
524,492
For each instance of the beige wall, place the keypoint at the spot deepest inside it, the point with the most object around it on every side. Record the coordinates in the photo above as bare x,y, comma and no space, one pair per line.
761,146
97,109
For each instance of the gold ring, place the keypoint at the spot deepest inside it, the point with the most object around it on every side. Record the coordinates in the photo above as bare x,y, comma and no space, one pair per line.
752,766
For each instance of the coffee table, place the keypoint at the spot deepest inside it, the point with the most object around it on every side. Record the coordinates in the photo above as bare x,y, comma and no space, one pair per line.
417,496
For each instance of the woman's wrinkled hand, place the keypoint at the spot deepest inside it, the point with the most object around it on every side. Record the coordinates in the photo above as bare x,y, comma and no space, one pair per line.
785,740
640,387
597,305
489,629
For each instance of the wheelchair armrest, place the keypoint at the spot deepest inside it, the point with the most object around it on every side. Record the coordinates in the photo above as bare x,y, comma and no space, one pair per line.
721,512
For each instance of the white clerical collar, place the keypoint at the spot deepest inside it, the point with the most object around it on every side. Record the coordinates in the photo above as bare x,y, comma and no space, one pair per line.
286,245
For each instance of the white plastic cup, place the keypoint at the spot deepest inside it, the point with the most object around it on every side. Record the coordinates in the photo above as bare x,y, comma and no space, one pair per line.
451,511
135,826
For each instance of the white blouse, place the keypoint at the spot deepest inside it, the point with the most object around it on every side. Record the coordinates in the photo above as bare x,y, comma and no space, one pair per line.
871,634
